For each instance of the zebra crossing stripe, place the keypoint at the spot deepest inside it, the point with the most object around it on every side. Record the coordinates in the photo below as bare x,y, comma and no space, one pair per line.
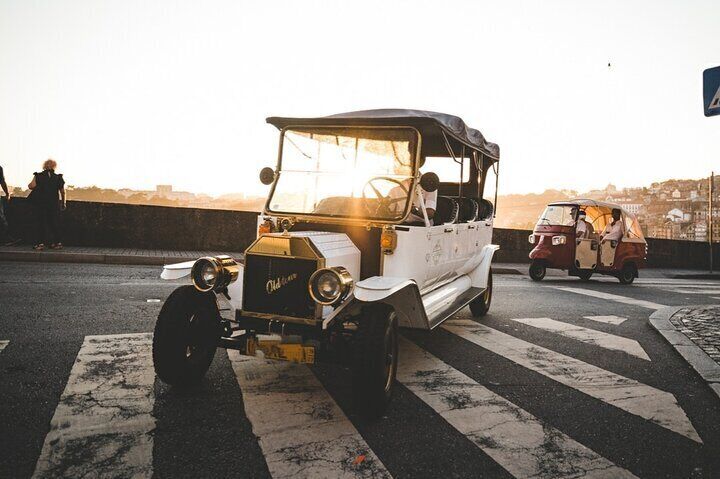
684,290
609,319
627,394
512,437
3,344
103,424
301,430
589,336
612,297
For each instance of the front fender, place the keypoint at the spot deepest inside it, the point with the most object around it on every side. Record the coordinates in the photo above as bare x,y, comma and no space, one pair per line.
400,293
479,276
177,270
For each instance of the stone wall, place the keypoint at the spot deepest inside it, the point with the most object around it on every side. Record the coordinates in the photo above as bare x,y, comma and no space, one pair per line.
160,227
137,226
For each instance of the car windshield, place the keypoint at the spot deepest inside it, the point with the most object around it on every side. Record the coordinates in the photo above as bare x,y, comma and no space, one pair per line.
359,173
557,215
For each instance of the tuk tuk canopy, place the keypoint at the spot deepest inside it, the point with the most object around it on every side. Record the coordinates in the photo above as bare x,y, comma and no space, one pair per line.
599,214
433,127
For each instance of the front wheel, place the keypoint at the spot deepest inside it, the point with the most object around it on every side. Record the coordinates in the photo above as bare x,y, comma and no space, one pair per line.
481,305
186,336
537,271
627,274
375,360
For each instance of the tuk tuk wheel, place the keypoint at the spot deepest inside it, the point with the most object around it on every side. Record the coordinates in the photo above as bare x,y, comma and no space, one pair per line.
375,360
186,336
585,275
537,271
627,274
481,305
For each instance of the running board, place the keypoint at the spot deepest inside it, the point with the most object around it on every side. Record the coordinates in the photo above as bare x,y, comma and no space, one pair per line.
463,300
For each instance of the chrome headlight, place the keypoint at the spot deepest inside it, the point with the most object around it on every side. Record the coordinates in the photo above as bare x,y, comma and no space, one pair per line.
329,286
558,240
214,273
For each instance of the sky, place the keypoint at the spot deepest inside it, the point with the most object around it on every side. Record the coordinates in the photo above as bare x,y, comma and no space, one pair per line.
135,93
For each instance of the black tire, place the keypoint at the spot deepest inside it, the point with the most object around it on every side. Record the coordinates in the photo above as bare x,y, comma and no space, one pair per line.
585,275
627,274
375,360
481,305
186,336
537,271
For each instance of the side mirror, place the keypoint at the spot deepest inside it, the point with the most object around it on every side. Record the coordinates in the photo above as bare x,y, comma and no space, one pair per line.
429,182
267,175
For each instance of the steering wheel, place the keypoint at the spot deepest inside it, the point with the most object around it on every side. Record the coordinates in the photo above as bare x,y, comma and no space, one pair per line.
384,203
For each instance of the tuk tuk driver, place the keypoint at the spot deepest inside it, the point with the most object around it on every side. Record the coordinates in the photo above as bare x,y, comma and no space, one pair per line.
583,229
614,231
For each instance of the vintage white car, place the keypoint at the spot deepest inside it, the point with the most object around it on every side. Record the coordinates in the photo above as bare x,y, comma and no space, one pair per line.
347,251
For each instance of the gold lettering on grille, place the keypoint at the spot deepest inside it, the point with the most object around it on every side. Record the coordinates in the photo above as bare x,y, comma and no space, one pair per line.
275,284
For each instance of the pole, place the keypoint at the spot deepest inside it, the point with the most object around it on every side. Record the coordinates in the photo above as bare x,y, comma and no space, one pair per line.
710,218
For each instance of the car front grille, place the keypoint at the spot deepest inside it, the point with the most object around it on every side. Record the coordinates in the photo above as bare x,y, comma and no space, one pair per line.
276,285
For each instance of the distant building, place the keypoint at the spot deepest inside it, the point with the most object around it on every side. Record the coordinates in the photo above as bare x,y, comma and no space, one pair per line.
164,190
676,194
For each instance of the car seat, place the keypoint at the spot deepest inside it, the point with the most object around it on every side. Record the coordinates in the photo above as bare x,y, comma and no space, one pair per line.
469,209
447,210
486,209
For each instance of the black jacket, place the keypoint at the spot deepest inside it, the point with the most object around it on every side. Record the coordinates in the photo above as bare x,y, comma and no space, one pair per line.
47,187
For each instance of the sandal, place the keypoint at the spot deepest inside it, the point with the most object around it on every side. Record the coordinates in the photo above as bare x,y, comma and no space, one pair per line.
56,246
39,247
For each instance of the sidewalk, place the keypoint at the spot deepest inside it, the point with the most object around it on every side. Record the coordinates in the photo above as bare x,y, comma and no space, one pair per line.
79,254
694,331
645,273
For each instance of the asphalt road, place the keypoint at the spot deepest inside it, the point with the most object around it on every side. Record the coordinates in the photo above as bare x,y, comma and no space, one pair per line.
561,379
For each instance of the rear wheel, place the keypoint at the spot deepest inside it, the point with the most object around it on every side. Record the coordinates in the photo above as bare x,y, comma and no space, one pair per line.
375,360
627,274
585,275
537,271
186,335
481,305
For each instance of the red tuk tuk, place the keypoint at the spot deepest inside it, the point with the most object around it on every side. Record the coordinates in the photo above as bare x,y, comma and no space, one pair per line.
562,241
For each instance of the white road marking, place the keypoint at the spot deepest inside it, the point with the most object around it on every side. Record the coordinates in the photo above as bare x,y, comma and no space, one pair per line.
612,297
3,344
692,291
512,437
656,406
609,319
103,424
586,335
301,430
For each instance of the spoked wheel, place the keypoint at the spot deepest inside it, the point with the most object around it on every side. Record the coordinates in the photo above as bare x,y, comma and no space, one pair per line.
186,336
375,360
537,271
585,275
627,274
481,305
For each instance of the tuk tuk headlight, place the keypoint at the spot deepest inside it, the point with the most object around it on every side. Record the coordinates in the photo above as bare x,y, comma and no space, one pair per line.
214,273
558,240
329,286
531,239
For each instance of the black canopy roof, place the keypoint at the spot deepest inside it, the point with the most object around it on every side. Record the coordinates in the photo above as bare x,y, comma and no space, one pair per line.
429,123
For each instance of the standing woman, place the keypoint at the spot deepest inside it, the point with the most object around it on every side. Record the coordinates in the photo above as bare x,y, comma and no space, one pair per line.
48,199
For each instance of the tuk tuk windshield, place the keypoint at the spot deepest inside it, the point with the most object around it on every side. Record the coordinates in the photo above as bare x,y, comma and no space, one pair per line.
345,172
558,215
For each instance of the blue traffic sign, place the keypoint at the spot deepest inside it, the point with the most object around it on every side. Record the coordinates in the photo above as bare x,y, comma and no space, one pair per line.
711,91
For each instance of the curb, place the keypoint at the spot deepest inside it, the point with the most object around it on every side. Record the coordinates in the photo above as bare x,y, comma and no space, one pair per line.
94,258
506,271
708,369
715,276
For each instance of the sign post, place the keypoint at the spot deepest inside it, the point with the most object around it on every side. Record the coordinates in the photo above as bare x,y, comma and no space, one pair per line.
711,106
710,217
